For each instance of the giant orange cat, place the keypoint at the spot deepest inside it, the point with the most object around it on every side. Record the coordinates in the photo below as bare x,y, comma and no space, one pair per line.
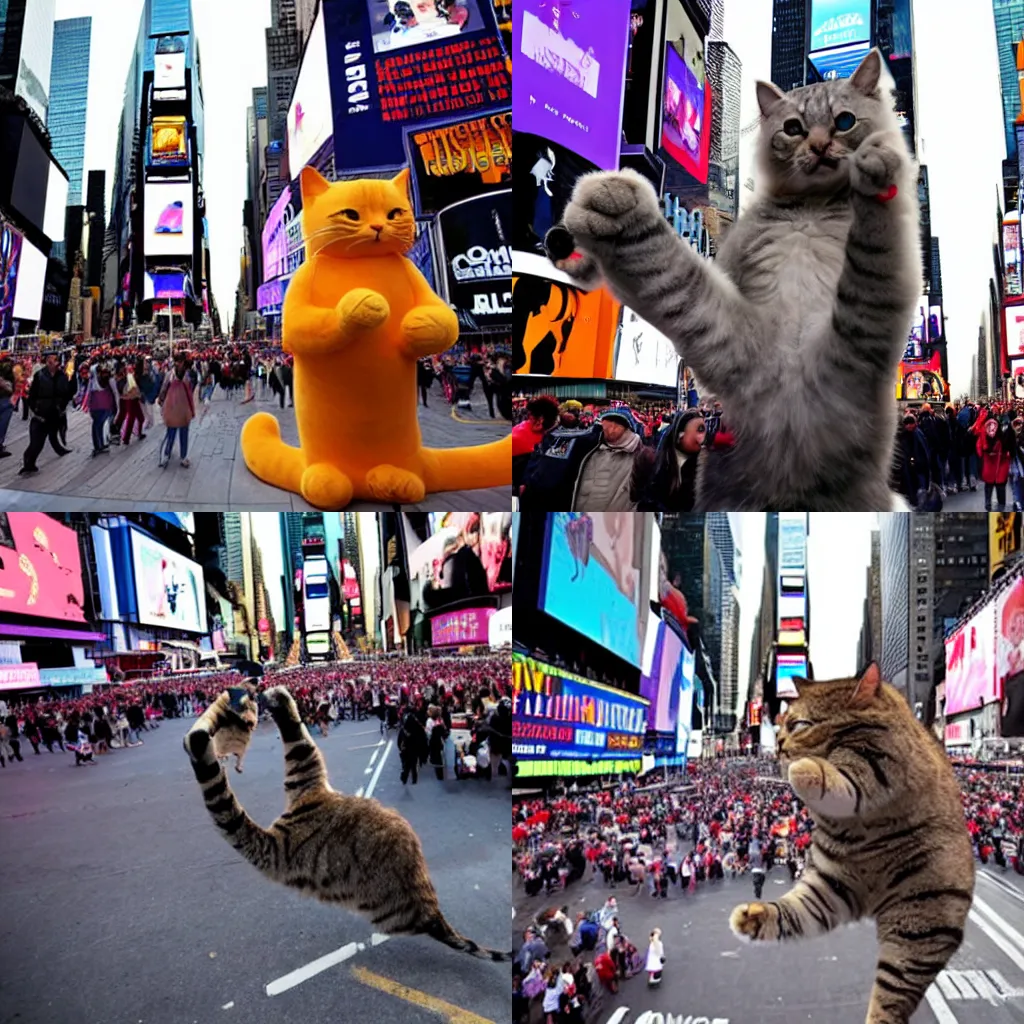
357,316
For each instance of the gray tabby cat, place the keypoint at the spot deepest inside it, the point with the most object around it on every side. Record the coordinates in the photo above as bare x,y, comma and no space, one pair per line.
799,325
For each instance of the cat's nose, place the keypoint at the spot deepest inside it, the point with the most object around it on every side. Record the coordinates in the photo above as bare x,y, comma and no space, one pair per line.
819,141
377,227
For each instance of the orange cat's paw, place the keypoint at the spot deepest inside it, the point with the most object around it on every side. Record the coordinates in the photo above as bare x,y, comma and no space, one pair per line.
430,329
390,484
326,487
362,309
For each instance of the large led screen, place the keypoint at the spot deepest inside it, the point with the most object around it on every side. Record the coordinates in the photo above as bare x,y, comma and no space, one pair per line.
168,142
560,716
168,226
787,668
661,684
686,120
10,261
28,300
792,542
169,587
839,23
1014,326
169,63
571,63
643,354
56,203
310,118
684,717
1010,632
971,679
468,626
841,62
33,81
40,568
275,237
396,26
591,578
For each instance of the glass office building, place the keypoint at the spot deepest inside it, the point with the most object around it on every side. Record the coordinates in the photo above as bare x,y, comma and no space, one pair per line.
69,96
1009,18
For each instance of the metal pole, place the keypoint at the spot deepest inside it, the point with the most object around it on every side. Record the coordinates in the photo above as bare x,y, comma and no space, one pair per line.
170,323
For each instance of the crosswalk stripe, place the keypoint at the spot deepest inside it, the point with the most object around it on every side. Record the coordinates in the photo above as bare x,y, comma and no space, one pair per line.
982,986
974,984
1002,986
1015,955
949,990
963,986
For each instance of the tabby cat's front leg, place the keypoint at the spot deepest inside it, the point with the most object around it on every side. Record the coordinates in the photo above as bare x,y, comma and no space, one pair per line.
813,906
615,219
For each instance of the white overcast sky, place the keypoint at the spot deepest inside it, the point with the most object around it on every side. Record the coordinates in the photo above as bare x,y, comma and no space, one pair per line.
233,48
838,553
961,140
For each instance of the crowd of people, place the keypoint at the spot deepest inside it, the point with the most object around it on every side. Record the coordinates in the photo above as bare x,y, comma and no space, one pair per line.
432,690
122,389
724,819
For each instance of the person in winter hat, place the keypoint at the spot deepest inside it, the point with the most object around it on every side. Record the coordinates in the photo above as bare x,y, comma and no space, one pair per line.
613,476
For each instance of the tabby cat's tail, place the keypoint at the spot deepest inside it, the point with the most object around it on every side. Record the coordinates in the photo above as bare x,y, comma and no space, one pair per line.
441,930
467,469
268,456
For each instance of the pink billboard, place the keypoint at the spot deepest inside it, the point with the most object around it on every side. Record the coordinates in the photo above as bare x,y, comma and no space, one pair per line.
275,237
40,569
971,663
19,677
1010,632
466,627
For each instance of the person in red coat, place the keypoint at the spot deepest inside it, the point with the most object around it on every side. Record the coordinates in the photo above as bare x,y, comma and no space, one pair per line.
994,455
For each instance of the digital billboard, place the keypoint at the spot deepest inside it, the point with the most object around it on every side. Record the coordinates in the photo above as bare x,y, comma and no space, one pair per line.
684,717
40,568
33,81
164,286
468,626
840,62
1011,257
56,203
169,587
570,65
168,142
787,668
168,229
792,542
560,716
169,63
275,236
660,685
686,115
591,578
10,261
970,663
392,75
28,299
1010,632
1014,325
643,353
460,160
309,116
475,252
839,23
19,677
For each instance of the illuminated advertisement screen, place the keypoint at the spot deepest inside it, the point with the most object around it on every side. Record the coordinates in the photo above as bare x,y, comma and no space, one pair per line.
169,587
841,62
684,718
459,161
1014,324
33,81
936,325
19,677
787,668
468,626
40,568
478,261
453,556
168,142
560,716
309,116
1010,631
56,203
164,286
1011,257
660,685
792,542
839,23
396,66
590,578
686,121
275,237
644,354
28,300
168,229
922,378
971,678
10,260
169,63
350,582
571,62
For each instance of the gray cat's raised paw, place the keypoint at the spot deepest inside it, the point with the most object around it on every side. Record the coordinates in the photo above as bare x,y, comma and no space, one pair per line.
605,204
877,163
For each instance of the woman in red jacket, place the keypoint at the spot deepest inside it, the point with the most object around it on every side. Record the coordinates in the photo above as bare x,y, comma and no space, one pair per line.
995,463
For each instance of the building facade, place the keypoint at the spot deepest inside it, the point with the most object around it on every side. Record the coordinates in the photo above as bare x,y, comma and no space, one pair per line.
1009,20
789,37
724,70
69,98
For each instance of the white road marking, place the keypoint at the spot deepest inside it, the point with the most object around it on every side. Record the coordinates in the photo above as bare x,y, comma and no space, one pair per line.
227,1006
962,985
368,746
949,990
1012,953
307,971
359,791
1004,886
983,986
1003,987
943,1014
1010,932
376,775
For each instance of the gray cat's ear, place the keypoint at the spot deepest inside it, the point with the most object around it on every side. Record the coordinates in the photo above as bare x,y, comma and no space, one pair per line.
865,78
767,96
867,687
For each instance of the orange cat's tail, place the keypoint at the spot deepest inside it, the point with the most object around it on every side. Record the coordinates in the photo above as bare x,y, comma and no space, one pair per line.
268,456
467,469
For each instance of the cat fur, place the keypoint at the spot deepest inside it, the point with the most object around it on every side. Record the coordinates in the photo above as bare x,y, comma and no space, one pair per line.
357,316
235,727
341,849
799,324
889,842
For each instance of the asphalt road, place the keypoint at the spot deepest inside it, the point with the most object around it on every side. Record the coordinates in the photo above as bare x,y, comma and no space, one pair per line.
713,978
122,904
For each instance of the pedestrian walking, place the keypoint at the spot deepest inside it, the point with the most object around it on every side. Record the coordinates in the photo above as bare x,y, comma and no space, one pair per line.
178,405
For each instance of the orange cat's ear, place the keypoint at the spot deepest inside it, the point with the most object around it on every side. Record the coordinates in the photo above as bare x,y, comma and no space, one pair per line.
401,181
867,687
313,183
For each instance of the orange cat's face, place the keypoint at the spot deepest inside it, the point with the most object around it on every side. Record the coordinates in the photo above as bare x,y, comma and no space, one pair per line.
368,217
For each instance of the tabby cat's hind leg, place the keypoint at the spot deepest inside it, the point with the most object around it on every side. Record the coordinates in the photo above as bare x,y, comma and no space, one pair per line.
305,771
268,457
813,906
903,975
467,469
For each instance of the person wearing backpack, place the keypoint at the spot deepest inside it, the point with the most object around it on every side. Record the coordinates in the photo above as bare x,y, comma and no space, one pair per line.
178,405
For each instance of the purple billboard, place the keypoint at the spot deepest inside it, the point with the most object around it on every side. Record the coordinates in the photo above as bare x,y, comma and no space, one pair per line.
466,627
275,237
571,68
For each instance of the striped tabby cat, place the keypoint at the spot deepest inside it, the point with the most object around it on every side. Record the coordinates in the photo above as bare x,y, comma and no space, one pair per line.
341,849
889,840
238,713
799,324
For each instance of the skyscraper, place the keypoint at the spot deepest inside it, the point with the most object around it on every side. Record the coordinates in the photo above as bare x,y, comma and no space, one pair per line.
26,51
724,70
1009,18
789,36
69,98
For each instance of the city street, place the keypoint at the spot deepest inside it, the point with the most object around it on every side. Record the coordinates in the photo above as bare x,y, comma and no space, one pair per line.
129,480
713,978
123,905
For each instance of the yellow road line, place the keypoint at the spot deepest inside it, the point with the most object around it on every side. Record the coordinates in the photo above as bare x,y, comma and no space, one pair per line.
452,1013
462,419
